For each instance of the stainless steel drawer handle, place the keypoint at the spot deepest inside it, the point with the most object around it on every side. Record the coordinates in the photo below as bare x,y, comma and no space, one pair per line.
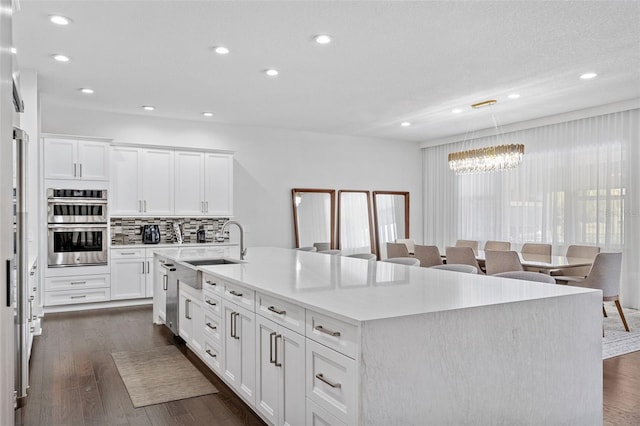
209,302
276,311
321,329
211,354
271,359
211,326
210,282
275,344
187,314
165,282
77,282
128,253
234,293
320,377
79,297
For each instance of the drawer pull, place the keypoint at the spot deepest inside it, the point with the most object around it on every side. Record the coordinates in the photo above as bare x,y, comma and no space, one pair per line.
209,302
79,297
211,326
271,359
321,329
211,354
274,310
210,282
77,282
320,377
127,253
234,293
165,282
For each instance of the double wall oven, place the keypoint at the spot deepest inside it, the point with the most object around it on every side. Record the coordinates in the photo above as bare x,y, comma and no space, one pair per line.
77,227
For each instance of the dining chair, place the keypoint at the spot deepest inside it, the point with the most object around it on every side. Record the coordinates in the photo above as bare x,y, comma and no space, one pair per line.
497,245
322,246
604,275
497,261
468,243
367,256
536,248
462,255
309,248
528,276
397,250
334,252
428,255
468,269
410,261
585,252
411,244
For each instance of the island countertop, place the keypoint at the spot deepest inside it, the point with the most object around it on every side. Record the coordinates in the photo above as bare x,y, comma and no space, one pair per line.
358,290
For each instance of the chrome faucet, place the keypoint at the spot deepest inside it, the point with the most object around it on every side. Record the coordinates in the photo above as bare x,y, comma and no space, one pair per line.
243,250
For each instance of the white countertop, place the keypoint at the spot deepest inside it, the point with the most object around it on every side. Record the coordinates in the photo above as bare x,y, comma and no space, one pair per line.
182,252
359,290
172,245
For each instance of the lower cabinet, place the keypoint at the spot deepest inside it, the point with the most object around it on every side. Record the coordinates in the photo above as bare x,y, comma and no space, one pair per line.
280,366
239,350
191,318
128,278
76,289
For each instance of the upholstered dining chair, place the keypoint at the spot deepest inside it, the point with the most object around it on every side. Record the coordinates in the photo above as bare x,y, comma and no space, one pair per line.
397,250
536,248
496,261
467,269
427,255
333,252
411,244
585,252
462,255
322,246
307,248
604,275
468,243
497,245
367,256
410,261
528,276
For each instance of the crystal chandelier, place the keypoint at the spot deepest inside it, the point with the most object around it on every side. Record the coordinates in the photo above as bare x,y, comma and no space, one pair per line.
488,159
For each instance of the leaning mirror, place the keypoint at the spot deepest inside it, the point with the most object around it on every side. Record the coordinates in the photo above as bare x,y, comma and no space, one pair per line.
313,217
391,215
355,227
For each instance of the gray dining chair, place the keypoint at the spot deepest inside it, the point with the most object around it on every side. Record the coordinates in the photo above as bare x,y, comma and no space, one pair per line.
585,252
536,248
497,245
604,275
333,252
322,246
397,250
309,248
468,243
409,261
411,244
528,276
467,269
427,255
463,256
366,256
497,261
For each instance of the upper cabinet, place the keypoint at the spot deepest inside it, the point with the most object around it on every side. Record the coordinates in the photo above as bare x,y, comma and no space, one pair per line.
141,181
203,183
76,159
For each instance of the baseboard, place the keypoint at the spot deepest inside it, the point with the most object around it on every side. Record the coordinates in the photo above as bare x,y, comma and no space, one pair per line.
99,305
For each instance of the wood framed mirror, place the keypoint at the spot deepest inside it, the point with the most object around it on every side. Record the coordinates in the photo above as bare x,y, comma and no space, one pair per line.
355,225
314,217
391,217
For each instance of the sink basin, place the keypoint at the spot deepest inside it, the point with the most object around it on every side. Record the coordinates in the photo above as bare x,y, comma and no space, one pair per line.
207,262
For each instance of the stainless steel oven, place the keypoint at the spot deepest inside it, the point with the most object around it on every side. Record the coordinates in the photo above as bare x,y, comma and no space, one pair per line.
76,205
77,244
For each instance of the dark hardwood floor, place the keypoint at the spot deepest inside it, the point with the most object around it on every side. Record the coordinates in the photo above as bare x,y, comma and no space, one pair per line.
75,382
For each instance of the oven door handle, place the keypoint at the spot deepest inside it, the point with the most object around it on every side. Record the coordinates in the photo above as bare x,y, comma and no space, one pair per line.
77,201
78,226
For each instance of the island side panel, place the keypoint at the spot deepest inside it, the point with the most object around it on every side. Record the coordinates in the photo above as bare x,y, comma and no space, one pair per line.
534,362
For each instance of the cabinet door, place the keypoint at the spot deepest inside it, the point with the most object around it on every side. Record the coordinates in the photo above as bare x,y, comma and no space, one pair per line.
150,276
291,355
189,181
159,291
127,278
218,184
157,182
267,374
239,350
185,319
60,158
93,160
197,321
125,196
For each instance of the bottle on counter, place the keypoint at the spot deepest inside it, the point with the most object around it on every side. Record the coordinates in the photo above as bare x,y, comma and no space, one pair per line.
201,235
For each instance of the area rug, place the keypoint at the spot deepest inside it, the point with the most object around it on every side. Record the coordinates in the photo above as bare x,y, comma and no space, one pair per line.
616,340
160,375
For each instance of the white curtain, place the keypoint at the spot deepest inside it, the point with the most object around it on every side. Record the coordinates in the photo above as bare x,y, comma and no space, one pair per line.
579,183
355,234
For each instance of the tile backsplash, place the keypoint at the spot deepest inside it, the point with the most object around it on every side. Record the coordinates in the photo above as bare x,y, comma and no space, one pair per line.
127,230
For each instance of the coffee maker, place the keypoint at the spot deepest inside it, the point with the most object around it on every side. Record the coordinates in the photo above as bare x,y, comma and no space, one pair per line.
150,234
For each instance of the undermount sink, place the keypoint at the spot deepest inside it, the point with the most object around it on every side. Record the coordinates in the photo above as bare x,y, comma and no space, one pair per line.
208,262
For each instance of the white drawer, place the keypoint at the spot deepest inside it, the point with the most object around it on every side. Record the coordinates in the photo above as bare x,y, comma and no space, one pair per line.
334,333
212,356
69,297
281,312
331,381
240,295
317,416
213,285
212,328
212,303
127,253
77,283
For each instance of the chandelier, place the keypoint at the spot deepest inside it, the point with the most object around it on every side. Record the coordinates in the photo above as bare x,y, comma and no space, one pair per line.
488,159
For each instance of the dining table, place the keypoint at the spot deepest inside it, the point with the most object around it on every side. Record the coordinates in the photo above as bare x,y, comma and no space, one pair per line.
546,263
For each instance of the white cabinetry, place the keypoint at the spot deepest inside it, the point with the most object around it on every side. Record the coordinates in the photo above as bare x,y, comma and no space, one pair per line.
239,356
191,317
129,272
142,181
203,183
76,159
77,289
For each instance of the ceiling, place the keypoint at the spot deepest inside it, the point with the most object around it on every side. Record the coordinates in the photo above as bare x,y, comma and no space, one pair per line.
389,61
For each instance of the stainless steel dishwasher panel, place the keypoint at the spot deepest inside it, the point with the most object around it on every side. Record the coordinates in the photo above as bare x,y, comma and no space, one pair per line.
171,308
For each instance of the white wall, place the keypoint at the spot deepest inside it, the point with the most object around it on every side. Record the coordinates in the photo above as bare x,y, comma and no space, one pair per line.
268,162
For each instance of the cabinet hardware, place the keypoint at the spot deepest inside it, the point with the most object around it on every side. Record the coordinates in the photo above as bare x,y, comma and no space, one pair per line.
210,282
79,297
74,169
33,329
275,344
126,253
77,282
320,377
327,331
187,314
271,359
201,206
234,293
206,207
143,267
235,322
209,302
231,324
80,169
211,326
8,278
148,267
276,311
31,316
165,282
212,355
140,206
144,210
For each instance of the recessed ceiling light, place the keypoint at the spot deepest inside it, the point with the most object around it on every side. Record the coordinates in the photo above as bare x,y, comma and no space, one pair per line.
271,72
59,20
86,90
322,39
588,75
405,124
148,107
456,110
207,114
61,58
221,50
14,50
513,96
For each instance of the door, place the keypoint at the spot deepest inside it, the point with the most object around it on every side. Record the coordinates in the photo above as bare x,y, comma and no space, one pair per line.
189,189
185,319
60,158
93,160
239,349
218,185
157,182
267,374
125,196
128,278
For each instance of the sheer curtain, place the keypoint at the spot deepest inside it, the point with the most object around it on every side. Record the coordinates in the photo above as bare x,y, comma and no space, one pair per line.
578,184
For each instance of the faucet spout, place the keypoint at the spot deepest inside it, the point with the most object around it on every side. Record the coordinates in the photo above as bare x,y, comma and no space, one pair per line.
243,250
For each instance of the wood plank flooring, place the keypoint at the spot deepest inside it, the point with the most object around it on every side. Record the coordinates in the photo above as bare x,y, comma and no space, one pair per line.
75,382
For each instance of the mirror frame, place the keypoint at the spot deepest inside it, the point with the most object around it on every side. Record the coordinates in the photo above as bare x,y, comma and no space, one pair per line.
332,194
375,214
371,235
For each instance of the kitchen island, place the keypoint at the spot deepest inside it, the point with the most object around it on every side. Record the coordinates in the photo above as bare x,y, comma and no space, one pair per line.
307,338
